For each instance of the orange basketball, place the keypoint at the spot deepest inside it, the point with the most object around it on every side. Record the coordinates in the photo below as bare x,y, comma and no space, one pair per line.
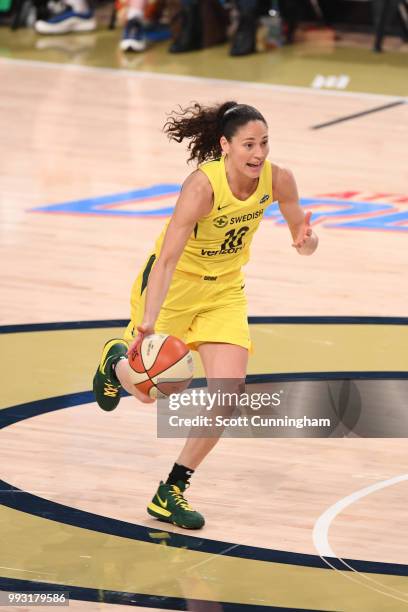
161,364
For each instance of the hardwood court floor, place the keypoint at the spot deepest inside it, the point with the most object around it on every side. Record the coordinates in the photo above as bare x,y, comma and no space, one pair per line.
70,142
78,134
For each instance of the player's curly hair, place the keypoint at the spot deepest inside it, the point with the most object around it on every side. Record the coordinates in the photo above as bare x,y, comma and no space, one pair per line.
203,126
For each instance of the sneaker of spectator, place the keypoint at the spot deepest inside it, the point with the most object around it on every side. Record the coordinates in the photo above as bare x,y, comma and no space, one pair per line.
134,31
64,17
133,36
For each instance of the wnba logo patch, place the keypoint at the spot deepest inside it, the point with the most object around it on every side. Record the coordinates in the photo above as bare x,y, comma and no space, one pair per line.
220,221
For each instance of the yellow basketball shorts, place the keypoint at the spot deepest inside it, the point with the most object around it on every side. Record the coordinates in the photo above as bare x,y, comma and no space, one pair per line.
197,309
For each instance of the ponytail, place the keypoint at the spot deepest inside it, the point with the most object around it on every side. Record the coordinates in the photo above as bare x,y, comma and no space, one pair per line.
203,126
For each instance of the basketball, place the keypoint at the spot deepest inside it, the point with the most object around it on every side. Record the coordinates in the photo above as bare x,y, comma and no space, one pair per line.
161,365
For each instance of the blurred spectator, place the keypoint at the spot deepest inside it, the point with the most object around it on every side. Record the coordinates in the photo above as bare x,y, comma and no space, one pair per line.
384,11
66,16
133,36
244,38
291,11
196,24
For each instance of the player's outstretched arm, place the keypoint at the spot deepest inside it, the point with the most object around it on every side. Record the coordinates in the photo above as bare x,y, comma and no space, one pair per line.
285,191
195,201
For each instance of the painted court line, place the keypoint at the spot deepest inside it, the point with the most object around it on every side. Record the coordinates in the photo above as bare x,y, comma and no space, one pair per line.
377,109
321,540
120,72
359,578
322,525
372,582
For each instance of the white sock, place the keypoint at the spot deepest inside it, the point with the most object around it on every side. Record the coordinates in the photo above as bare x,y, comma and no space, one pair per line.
134,13
79,6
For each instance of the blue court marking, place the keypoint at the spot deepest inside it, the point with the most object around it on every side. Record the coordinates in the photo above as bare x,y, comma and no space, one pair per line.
63,325
138,599
348,208
367,215
357,215
328,320
104,205
23,501
17,499
335,320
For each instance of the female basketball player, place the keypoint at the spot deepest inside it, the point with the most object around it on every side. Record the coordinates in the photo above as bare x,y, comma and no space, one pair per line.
192,285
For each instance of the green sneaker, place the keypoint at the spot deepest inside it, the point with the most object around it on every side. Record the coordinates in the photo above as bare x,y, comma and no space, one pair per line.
170,506
106,386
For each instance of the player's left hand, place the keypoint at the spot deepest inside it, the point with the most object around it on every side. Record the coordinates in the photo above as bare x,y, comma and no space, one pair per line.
305,233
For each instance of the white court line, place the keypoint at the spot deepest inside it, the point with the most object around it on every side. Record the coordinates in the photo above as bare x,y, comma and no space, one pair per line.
322,525
199,80
321,541
371,581
358,578
213,557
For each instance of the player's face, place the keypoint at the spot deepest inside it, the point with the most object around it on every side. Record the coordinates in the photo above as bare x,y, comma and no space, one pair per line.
248,148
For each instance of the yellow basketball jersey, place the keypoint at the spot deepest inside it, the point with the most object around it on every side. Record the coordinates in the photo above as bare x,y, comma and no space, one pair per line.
220,241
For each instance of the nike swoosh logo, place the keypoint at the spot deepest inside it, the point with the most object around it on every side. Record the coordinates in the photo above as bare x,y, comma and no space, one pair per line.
222,207
162,503
104,366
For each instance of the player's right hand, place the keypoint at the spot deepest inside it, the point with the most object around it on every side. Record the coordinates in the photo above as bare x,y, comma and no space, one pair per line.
144,329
